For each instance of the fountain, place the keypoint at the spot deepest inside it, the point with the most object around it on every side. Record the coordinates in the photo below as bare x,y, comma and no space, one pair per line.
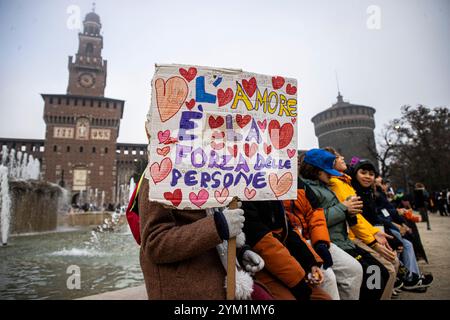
5,204
27,204
34,263
131,188
102,204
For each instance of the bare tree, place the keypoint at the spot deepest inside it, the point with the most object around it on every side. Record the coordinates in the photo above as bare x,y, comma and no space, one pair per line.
416,147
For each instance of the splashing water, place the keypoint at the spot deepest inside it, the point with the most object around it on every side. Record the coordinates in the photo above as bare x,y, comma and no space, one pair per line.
132,186
21,166
5,204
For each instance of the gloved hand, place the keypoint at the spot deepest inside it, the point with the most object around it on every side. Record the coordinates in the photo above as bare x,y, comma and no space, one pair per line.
229,222
321,249
301,291
252,261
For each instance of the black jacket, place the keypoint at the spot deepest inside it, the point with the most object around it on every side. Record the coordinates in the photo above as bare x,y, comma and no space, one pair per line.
262,217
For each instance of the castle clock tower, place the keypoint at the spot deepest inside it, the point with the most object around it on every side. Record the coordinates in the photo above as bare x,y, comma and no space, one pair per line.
87,73
82,125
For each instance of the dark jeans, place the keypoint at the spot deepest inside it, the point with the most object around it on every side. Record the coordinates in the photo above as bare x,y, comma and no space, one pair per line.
366,260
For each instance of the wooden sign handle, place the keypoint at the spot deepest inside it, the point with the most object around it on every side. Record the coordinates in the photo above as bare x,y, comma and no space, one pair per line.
231,259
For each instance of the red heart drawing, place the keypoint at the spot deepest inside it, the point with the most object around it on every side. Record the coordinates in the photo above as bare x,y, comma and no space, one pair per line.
163,151
200,198
188,75
217,146
250,150
221,196
242,121
163,136
190,104
280,137
233,150
280,185
291,152
171,140
159,172
267,148
223,97
249,86
293,120
262,125
291,89
249,193
215,122
174,197
277,82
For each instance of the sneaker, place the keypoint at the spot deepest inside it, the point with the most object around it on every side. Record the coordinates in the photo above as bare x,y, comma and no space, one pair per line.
414,283
427,279
424,281
398,284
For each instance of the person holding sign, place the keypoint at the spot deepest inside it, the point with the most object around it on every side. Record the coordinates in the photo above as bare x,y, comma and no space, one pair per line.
178,252
216,134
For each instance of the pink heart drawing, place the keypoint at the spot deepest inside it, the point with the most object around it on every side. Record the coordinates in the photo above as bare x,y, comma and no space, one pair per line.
262,125
221,196
163,136
170,96
291,152
280,185
249,193
217,146
200,198
218,135
163,151
160,171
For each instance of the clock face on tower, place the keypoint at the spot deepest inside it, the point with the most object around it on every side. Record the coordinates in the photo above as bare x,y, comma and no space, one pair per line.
86,80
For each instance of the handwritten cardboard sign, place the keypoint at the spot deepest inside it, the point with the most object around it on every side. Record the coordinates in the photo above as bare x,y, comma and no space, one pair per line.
219,133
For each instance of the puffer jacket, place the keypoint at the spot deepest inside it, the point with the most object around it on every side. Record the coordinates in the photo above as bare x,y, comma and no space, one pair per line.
335,212
363,230
302,216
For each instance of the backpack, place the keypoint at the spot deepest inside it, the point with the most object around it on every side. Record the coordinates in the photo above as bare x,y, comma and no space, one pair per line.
132,213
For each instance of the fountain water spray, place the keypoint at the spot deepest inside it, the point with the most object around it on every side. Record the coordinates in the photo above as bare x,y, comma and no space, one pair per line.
5,204
131,187
102,204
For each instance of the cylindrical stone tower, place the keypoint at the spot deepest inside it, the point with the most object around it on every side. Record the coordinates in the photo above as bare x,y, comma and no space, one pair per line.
348,128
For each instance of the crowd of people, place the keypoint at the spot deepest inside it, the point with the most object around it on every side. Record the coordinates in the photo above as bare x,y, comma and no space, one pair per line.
347,236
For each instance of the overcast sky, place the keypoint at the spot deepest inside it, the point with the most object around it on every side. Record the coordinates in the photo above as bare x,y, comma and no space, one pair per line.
401,58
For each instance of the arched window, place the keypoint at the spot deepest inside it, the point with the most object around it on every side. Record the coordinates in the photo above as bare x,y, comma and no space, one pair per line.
93,150
89,49
81,149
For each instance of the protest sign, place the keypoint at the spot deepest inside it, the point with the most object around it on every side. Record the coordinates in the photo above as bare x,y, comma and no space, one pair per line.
219,133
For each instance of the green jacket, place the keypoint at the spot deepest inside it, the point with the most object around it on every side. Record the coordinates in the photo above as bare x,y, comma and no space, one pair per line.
334,210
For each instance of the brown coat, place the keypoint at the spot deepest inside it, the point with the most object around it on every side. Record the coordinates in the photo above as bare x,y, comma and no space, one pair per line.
178,253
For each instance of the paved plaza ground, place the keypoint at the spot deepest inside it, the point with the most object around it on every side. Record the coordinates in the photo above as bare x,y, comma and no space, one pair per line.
437,247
